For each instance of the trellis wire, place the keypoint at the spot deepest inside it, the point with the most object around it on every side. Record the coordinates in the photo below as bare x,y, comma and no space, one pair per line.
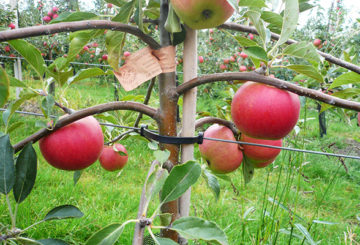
220,140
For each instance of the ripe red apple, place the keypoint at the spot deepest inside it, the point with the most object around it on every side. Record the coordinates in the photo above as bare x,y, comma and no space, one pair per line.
317,42
201,59
264,112
75,146
50,14
243,55
92,56
109,5
12,26
55,16
127,53
251,36
232,59
259,156
222,157
242,68
12,55
113,157
104,57
47,19
223,67
95,45
226,61
7,48
211,31
55,9
202,14
86,48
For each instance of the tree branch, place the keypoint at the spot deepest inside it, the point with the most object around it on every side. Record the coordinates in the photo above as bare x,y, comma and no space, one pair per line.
211,120
76,26
328,57
112,106
252,76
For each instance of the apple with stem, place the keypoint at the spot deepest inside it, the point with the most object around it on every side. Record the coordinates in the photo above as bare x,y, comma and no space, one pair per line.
113,157
202,14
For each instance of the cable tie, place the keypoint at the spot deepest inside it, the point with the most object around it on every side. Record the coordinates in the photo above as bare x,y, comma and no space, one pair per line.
200,138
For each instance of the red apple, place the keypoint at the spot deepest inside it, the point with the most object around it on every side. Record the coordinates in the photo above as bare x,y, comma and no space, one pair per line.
75,146
201,59
211,31
7,48
317,42
222,157
55,9
127,53
232,59
226,61
242,68
55,16
12,26
50,14
264,112
86,48
202,14
109,5
259,156
223,67
95,45
47,19
12,55
113,157
243,55
104,57
251,36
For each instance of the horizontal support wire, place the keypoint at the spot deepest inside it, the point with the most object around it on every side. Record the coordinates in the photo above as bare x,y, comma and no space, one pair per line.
161,138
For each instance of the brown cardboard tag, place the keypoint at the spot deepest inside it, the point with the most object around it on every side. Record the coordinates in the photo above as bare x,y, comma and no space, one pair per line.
139,68
145,64
166,58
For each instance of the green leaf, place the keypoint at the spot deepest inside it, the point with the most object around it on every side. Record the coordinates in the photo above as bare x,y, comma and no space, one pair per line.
4,87
180,179
304,5
252,3
76,176
272,18
86,73
247,170
155,183
15,105
139,15
106,236
199,229
118,3
115,40
165,241
290,20
77,42
305,232
161,156
153,145
7,168
245,42
73,16
16,83
60,71
165,219
234,4
26,168
14,126
212,182
303,50
346,78
258,23
256,52
31,54
307,70
63,212
172,23
52,242
47,104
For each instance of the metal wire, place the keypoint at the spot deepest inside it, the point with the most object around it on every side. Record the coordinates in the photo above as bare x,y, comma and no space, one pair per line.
220,140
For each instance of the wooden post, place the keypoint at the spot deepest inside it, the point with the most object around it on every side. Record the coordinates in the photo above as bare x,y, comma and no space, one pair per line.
189,109
17,63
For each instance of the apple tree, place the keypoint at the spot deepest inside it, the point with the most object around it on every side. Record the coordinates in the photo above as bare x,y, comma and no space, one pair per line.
174,169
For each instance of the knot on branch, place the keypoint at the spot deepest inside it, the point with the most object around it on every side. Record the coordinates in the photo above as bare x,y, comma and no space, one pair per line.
144,222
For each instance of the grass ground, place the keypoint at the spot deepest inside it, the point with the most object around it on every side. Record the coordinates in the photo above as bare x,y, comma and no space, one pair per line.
307,189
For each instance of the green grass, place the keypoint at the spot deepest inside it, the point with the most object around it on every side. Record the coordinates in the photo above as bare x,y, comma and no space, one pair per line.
312,187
